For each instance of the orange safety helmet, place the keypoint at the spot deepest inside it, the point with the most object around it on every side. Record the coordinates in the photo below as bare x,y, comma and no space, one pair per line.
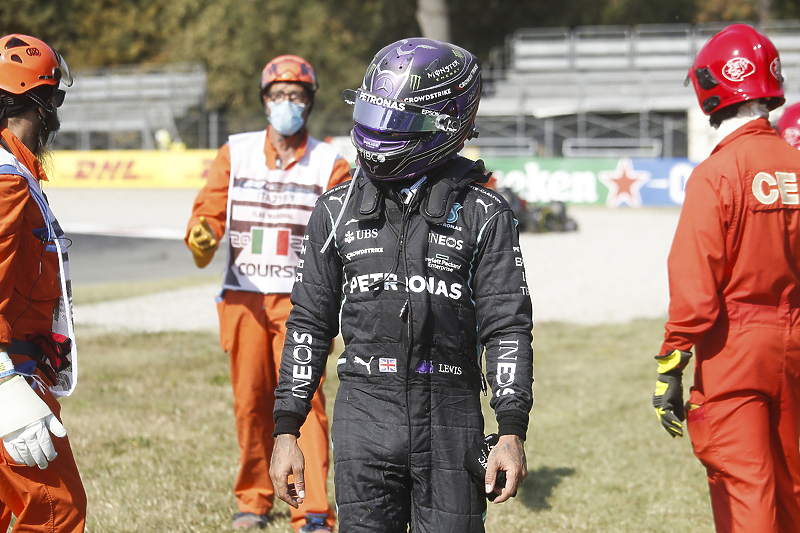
289,68
30,67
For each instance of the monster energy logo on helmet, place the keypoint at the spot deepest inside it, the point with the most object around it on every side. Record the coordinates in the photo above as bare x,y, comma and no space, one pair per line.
414,82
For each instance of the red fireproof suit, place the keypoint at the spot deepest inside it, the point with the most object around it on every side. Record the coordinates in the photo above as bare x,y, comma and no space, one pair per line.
252,331
52,499
734,278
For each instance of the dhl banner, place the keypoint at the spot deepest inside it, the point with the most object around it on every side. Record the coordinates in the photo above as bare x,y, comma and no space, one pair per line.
130,169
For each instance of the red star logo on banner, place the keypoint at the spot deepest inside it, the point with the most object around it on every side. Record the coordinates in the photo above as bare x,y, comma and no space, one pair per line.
624,184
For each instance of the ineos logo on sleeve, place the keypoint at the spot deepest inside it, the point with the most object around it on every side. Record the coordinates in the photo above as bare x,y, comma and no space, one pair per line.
768,188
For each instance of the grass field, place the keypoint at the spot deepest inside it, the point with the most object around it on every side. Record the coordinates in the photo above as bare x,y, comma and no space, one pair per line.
152,428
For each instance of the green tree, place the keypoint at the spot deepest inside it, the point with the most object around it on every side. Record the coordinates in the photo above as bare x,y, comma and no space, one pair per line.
633,12
40,18
236,38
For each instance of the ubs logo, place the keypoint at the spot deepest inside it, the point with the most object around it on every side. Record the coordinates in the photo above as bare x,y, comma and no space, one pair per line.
351,236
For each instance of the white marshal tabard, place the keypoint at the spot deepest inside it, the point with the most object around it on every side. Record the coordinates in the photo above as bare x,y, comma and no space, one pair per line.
268,211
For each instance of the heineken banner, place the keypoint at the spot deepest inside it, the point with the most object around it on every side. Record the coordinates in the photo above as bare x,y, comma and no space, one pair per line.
614,182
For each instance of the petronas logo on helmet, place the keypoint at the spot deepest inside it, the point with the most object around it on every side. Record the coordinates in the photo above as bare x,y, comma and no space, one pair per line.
383,102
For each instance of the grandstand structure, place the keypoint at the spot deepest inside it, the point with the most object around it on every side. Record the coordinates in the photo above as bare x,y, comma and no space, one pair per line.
589,91
124,107
596,91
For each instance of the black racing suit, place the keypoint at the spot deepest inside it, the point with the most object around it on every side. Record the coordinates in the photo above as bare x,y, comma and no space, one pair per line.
422,289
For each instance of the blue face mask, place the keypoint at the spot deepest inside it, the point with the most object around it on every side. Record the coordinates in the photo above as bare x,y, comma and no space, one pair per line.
286,117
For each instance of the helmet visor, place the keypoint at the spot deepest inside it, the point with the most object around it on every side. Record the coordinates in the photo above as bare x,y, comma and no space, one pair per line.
61,72
396,116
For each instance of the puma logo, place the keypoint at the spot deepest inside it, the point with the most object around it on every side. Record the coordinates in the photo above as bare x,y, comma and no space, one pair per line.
484,204
360,361
339,198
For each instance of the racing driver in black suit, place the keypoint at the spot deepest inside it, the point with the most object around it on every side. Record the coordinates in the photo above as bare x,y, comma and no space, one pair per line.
421,266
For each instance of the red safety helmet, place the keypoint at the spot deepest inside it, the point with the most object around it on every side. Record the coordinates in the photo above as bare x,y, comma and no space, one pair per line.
30,74
736,65
789,125
289,68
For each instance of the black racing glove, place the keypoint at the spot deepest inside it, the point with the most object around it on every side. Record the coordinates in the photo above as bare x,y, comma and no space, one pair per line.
475,460
668,398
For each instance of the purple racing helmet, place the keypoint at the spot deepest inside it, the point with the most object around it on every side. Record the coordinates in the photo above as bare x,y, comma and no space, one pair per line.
416,107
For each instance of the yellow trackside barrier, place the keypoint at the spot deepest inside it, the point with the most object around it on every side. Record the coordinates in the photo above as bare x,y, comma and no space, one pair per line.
130,169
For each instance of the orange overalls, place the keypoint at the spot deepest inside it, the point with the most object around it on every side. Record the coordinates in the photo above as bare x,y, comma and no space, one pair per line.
52,499
734,277
252,331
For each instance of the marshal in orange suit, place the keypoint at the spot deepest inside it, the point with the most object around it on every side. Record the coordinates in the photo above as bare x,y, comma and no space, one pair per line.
261,188
734,279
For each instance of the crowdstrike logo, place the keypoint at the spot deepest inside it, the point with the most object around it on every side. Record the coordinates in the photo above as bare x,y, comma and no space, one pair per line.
427,97
463,84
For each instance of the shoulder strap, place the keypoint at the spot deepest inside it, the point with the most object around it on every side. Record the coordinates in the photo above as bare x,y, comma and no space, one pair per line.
370,199
450,181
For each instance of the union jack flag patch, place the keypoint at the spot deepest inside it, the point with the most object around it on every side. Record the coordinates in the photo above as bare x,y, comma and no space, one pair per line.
388,365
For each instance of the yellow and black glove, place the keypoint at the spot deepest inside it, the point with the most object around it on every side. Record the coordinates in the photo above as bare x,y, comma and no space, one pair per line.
202,242
668,398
